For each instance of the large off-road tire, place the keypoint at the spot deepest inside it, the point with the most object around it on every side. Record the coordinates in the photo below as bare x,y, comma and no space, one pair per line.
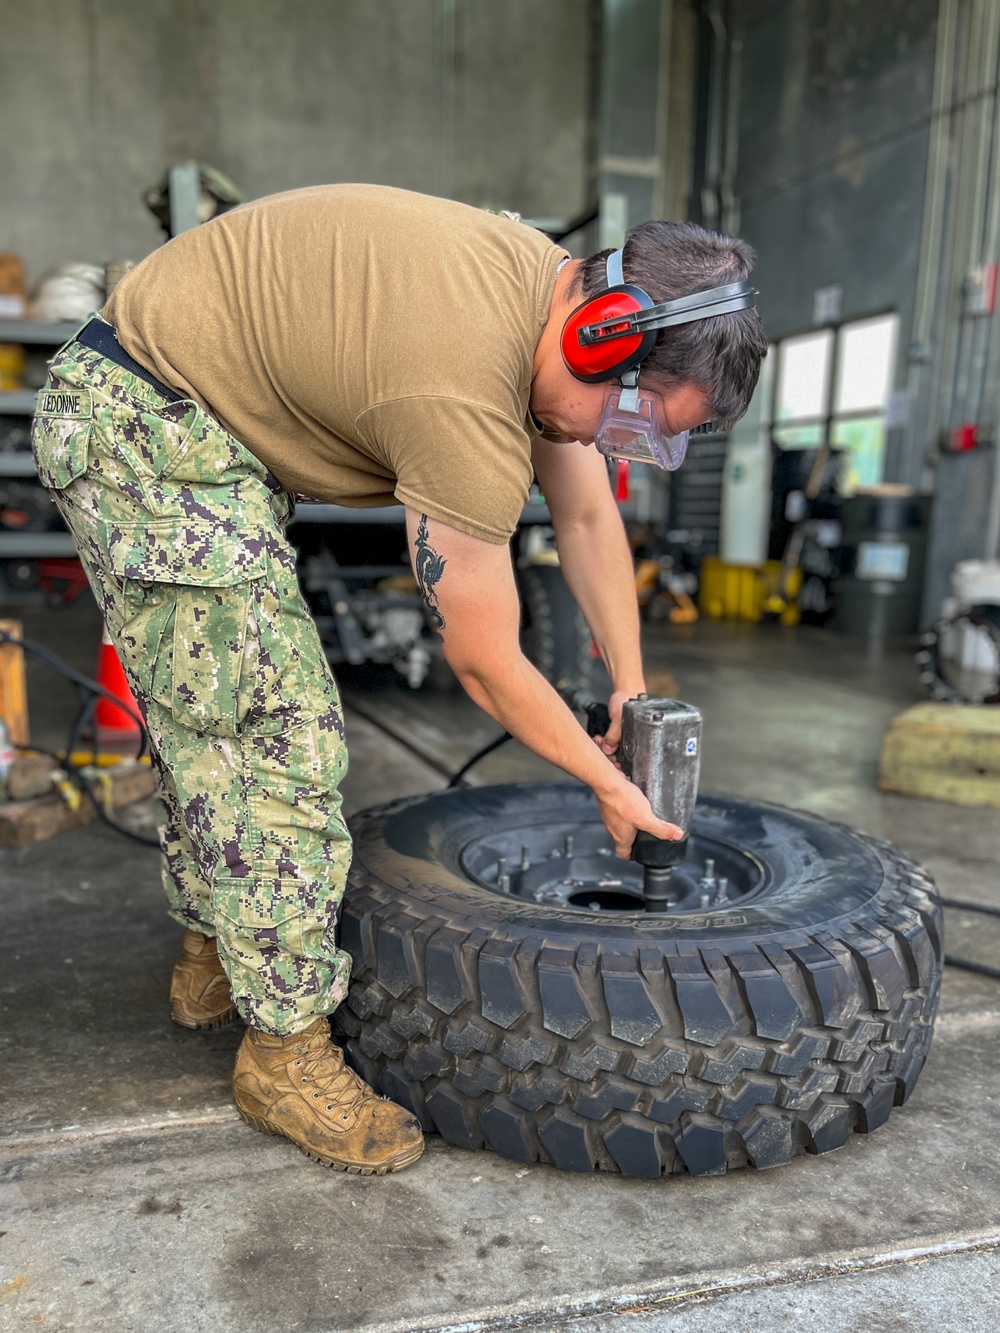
555,637
781,1022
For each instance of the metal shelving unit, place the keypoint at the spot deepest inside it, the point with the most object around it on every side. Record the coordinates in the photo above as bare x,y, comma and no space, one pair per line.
18,402
20,464
33,545
30,333
17,463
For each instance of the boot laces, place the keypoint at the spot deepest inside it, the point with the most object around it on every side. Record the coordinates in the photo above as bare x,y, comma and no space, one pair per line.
322,1064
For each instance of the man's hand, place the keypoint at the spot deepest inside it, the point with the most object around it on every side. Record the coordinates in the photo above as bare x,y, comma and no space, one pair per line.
624,809
611,739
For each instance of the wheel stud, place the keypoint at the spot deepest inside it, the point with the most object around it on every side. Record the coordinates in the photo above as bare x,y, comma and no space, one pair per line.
707,882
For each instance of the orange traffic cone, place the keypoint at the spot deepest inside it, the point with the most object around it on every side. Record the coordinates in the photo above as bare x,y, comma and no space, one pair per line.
113,727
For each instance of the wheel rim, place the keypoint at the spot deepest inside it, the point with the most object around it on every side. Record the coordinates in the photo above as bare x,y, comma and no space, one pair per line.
570,864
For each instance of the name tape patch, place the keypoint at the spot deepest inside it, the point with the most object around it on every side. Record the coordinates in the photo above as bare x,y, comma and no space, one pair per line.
64,403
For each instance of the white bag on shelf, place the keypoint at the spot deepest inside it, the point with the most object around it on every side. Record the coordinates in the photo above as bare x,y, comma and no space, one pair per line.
69,293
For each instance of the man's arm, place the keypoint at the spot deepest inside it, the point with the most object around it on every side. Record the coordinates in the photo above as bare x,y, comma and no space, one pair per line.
469,587
596,562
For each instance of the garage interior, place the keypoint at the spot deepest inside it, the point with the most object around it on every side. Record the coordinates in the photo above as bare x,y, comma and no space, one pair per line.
790,573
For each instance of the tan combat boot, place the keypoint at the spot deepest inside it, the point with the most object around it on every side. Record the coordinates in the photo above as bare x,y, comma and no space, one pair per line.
199,989
300,1087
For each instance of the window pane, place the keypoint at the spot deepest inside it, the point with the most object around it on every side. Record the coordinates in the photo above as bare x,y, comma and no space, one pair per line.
799,437
865,365
864,439
804,375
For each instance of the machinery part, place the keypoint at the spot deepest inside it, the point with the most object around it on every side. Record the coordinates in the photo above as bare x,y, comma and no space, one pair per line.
555,637
387,623
662,590
508,986
945,675
358,622
20,575
190,193
781,596
345,621
660,752
647,580
684,611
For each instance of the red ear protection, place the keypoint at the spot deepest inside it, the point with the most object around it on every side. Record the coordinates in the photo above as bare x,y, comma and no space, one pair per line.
614,331
613,353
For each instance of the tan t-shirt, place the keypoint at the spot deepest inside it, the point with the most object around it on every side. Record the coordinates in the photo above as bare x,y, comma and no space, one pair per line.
369,345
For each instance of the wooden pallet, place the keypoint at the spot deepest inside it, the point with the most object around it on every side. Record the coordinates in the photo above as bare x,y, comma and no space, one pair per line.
28,821
948,752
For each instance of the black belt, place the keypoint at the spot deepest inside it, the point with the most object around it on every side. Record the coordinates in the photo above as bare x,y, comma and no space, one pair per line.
102,338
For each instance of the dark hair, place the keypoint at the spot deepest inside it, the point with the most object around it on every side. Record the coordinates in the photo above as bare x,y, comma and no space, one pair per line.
721,356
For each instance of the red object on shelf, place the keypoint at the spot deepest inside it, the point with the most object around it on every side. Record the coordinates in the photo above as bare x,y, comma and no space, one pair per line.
963,438
112,725
62,576
621,479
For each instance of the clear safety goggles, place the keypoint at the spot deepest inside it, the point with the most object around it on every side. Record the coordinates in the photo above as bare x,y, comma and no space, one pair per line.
633,426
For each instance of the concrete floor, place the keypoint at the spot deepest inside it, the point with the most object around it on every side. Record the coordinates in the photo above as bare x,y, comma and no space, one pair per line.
132,1198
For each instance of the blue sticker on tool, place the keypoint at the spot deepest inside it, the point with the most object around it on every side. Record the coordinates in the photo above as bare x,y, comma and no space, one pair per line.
691,746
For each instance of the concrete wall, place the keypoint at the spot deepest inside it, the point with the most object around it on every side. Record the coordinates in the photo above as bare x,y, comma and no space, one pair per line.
833,153
487,101
833,150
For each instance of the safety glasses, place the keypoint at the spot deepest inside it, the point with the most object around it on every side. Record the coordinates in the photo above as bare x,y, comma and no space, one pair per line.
633,426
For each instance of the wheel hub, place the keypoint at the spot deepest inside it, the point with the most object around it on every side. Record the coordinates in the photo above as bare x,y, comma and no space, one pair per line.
572,865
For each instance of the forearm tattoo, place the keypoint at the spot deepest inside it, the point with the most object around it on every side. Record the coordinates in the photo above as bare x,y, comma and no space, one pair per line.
429,566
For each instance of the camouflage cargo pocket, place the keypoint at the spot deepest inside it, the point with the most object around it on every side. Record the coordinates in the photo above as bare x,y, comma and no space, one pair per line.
266,914
60,435
188,591
151,438
279,945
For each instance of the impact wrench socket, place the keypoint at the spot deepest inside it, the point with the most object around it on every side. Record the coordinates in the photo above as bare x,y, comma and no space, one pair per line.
660,752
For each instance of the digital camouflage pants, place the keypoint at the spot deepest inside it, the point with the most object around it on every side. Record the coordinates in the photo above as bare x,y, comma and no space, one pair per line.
183,542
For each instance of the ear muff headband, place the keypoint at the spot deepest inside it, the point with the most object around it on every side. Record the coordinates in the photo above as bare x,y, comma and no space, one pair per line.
615,330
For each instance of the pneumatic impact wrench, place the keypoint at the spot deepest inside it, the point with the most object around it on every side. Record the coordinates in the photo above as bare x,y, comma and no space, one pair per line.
660,751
